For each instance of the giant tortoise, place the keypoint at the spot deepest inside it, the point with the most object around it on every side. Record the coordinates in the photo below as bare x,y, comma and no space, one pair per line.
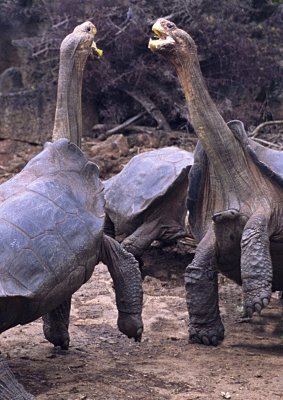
235,200
146,201
51,224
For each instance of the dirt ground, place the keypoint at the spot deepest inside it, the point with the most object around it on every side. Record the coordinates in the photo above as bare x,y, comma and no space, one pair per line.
102,364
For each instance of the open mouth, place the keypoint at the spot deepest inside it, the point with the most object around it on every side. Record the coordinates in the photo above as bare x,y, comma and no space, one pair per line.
161,37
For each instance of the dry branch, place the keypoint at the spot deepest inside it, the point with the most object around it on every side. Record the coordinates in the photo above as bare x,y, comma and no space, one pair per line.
151,108
104,129
259,127
119,128
267,143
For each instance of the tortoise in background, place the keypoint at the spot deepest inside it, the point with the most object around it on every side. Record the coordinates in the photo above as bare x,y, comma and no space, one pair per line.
51,223
146,201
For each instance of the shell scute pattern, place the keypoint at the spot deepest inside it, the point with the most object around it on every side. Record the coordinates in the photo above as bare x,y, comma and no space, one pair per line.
57,193
40,214
80,235
45,236
269,161
54,253
144,179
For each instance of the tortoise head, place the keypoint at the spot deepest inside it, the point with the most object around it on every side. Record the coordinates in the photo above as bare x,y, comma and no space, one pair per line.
74,51
81,41
170,41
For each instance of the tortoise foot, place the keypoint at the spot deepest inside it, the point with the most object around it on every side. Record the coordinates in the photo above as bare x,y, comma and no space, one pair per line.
256,301
209,335
57,334
131,325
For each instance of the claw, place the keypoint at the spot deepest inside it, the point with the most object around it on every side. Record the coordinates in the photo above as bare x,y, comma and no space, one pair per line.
265,302
195,339
65,345
258,307
205,340
214,341
138,336
131,325
248,312
221,335
210,335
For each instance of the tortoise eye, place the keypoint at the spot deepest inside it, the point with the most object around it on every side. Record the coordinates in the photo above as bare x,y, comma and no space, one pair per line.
88,28
170,25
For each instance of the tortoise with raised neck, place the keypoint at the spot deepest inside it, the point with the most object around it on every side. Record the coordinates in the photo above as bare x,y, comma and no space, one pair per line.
235,200
51,224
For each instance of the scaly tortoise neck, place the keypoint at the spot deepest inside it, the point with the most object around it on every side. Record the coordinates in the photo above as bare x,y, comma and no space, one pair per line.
237,178
68,115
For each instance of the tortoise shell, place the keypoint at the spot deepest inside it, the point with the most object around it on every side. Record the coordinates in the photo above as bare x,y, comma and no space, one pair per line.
51,225
146,178
269,161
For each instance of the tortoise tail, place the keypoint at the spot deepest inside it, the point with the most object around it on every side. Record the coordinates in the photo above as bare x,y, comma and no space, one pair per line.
10,388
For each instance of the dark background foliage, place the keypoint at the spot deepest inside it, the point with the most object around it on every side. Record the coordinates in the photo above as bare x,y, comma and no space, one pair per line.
239,42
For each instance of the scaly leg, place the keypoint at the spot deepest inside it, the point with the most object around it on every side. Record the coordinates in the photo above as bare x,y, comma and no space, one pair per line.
256,265
141,238
205,324
126,276
10,388
56,324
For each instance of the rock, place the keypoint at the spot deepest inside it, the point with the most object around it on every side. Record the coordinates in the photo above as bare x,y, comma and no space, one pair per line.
114,147
11,80
27,115
226,395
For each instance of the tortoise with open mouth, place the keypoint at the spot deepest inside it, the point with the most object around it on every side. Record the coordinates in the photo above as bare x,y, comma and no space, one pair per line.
235,200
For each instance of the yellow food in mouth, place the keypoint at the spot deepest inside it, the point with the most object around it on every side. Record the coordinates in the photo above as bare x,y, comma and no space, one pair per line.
96,50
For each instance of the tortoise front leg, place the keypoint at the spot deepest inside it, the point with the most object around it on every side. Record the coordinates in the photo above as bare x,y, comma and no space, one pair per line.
56,324
205,324
126,276
142,238
256,264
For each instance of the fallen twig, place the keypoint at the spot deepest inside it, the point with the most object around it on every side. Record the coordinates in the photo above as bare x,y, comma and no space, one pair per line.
151,108
267,143
125,124
134,129
255,132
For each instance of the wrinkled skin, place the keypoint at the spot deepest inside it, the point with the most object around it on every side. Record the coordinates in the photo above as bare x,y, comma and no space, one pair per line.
44,263
235,201
146,201
51,224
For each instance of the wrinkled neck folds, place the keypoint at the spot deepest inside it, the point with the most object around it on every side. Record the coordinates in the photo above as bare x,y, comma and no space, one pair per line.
224,151
68,115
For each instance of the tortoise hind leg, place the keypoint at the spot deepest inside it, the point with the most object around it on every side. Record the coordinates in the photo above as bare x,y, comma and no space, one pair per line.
205,325
10,388
256,264
56,324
